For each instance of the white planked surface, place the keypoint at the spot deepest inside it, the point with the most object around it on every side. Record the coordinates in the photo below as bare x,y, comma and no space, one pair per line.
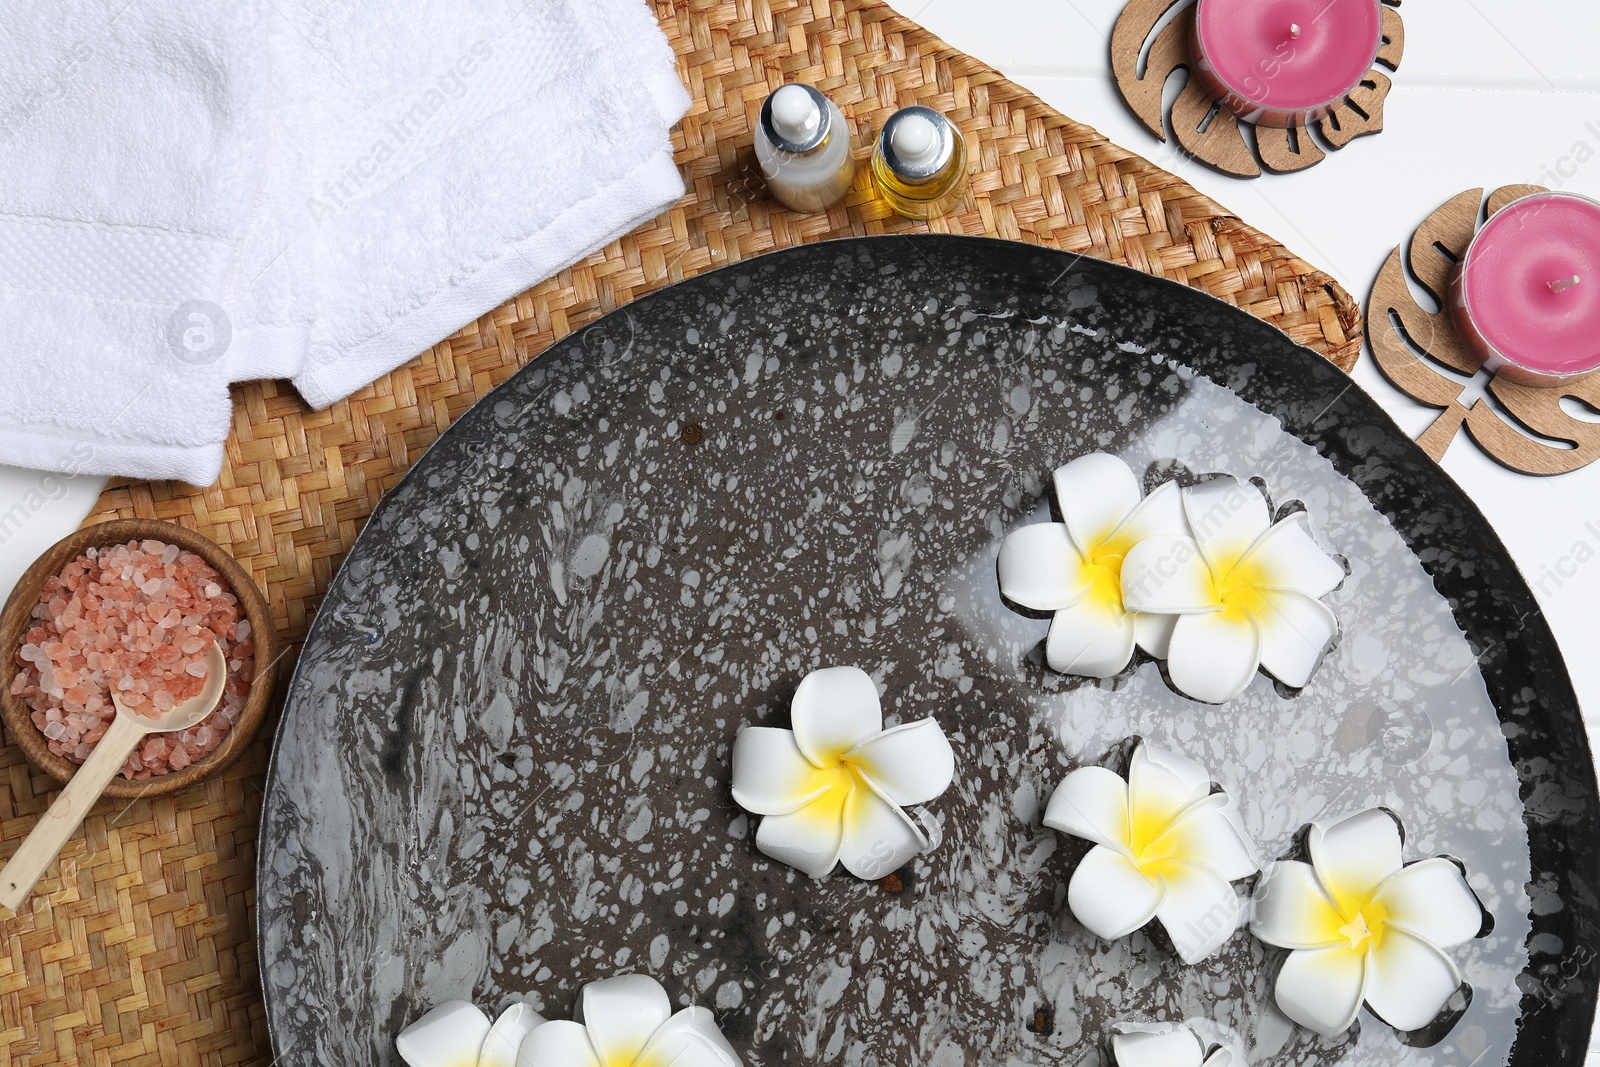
1490,92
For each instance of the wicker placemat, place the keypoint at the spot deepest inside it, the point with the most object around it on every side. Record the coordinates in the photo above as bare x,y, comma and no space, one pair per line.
143,950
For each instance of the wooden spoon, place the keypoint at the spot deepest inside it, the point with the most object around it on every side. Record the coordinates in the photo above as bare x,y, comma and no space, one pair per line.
46,840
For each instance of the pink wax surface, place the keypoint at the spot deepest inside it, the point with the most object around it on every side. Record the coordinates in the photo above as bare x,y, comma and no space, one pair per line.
1505,283
1251,48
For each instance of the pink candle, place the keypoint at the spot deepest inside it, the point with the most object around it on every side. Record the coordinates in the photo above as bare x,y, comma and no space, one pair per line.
1527,295
1284,62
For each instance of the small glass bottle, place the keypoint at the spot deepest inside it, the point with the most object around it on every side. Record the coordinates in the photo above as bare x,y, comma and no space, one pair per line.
803,147
920,163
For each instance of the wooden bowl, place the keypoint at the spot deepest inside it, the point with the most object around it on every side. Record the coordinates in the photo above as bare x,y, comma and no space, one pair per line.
18,617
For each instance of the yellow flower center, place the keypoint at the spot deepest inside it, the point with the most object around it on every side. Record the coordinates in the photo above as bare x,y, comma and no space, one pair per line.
836,783
1241,592
1357,925
1105,581
1105,570
1356,931
1155,846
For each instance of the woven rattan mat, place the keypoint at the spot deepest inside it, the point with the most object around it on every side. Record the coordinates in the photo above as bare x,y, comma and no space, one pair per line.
142,950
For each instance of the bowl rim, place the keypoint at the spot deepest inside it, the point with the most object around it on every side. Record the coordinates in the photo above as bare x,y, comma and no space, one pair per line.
18,612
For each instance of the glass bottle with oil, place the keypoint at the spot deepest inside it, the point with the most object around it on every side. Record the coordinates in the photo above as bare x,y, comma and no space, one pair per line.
919,164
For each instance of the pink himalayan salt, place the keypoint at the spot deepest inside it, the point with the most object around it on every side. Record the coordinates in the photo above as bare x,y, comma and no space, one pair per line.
136,618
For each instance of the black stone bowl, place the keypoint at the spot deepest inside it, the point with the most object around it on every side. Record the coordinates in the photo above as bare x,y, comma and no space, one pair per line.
502,769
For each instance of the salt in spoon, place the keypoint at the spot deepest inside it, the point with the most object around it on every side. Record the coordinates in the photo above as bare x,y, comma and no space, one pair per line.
47,838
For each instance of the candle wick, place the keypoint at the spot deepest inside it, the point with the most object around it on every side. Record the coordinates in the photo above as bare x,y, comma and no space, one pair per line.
1294,30
1564,284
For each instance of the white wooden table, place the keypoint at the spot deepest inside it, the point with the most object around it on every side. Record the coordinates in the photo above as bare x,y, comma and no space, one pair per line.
1491,92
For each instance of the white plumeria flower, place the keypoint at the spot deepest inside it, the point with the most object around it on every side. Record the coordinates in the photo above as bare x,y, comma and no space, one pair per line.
629,1022
458,1034
1363,927
1075,568
1245,592
1177,1047
832,789
1166,847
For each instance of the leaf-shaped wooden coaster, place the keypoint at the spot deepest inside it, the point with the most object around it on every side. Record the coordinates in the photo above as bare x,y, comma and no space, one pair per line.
1525,428
1215,136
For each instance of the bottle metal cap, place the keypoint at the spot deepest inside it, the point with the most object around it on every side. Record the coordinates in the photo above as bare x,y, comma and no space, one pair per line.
917,143
795,118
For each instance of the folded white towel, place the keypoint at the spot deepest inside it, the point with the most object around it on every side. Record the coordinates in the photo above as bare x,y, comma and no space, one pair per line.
130,143
394,169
